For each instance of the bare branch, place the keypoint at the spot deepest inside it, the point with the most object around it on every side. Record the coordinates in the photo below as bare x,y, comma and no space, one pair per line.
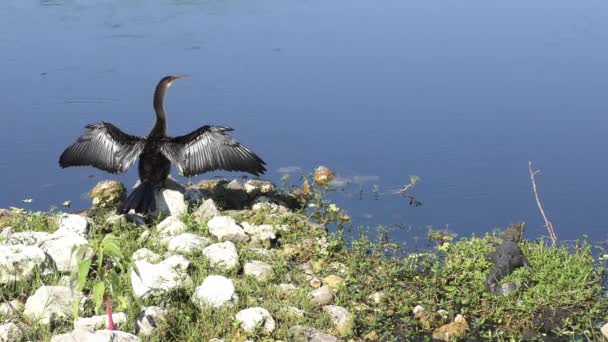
548,223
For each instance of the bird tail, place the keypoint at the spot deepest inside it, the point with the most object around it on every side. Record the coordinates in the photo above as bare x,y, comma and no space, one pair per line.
141,199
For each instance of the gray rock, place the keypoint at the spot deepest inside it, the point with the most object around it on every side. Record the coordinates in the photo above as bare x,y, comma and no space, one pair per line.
63,250
322,296
206,211
144,254
107,194
10,332
149,320
215,291
295,312
100,322
261,271
188,243
301,333
70,224
343,321
222,255
169,227
193,196
225,228
96,336
251,318
160,278
263,233
50,304
18,263
170,203
11,309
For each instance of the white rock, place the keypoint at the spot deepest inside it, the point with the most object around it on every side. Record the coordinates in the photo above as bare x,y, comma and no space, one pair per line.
10,332
6,233
261,233
215,291
222,255
18,263
322,296
73,224
144,254
188,243
170,203
216,340
97,336
206,211
26,238
261,271
251,318
49,304
286,288
256,187
604,330
100,322
12,308
63,249
225,228
376,297
169,227
160,278
342,320
149,319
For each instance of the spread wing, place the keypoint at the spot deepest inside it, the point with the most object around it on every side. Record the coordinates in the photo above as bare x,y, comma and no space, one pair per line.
209,148
105,147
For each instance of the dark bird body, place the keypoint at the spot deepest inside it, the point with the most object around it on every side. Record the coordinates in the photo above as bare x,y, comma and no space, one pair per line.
208,148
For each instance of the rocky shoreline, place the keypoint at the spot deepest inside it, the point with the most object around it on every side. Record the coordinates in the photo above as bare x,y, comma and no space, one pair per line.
225,261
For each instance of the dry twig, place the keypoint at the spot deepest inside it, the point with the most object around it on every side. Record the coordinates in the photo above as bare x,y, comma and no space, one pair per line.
548,223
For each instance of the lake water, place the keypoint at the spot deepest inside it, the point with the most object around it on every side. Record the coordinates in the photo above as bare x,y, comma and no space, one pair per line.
462,94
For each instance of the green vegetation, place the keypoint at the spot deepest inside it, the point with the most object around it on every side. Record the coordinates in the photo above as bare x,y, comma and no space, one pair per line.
559,295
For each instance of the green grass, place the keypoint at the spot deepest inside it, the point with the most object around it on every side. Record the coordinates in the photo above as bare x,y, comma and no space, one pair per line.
452,278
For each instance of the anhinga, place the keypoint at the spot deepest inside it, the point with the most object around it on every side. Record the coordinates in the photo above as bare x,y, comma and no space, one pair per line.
208,148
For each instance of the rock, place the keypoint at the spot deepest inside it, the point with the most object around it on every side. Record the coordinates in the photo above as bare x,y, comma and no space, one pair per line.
323,175
160,278
100,322
12,308
64,251
6,232
18,263
371,336
149,319
425,319
24,238
169,227
255,187
50,304
452,331
604,330
215,291
170,203
376,297
295,312
222,255
307,268
301,333
144,254
206,211
251,318
97,336
315,282
225,228
287,288
70,224
318,265
193,196
123,219
235,195
10,332
261,271
322,296
334,282
107,194
342,320
264,233
268,253
266,204
187,243
214,188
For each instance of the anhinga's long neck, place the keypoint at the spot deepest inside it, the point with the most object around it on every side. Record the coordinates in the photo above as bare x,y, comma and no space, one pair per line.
160,128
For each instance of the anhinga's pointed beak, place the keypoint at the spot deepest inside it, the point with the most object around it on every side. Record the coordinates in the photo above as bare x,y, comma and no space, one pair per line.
181,77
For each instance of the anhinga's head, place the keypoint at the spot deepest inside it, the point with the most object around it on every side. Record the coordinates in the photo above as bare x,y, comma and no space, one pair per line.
166,81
